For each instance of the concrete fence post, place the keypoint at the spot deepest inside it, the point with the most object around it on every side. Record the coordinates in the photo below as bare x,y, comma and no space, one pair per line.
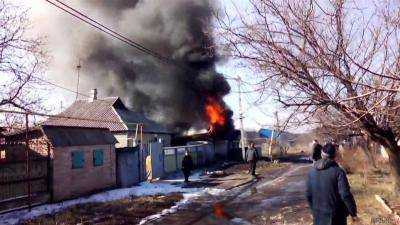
176,158
197,156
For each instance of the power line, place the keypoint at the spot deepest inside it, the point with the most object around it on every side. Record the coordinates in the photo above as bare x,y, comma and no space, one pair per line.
81,16
97,25
62,87
67,89
101,27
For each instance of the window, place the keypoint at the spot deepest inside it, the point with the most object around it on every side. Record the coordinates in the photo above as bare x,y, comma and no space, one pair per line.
78,159
98,157
2,154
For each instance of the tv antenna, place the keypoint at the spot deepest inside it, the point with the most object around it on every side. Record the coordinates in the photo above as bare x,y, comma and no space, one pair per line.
78,68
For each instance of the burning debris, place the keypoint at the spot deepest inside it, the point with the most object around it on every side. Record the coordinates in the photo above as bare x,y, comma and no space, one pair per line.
180,30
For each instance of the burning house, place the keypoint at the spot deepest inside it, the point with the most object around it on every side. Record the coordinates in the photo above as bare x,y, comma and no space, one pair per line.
128,127
181,93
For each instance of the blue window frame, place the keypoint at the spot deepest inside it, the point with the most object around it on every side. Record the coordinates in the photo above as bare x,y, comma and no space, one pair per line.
98,157
78,159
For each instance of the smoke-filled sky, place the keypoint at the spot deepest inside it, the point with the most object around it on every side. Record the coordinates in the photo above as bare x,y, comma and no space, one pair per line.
180,29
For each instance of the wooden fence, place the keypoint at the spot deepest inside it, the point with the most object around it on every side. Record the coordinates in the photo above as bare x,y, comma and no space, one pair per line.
24,180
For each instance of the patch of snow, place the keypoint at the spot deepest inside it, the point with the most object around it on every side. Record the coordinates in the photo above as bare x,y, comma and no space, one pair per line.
216,172
240,221
271,201
306,158
187,197
143,189
178,177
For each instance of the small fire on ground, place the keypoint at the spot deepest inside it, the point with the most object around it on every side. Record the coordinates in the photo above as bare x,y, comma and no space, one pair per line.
215,113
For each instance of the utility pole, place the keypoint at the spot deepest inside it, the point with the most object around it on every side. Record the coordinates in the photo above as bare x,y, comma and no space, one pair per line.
61,106
242,132
272,134
78,68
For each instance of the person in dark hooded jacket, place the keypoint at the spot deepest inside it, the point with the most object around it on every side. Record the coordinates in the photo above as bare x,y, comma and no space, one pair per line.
316,151
187,166
328,191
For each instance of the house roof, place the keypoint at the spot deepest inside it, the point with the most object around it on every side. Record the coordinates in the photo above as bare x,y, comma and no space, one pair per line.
108,113
78,136
66,136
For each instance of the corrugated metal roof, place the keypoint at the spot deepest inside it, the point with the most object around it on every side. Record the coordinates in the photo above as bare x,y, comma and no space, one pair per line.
78,136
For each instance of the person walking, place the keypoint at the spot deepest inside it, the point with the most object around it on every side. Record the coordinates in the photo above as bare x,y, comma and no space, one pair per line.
328,191
316,151
187,165
252,157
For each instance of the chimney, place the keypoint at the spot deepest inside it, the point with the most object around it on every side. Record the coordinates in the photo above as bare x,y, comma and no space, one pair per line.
93,95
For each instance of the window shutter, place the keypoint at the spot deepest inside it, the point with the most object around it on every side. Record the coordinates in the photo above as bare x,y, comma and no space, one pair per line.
78,159
98,157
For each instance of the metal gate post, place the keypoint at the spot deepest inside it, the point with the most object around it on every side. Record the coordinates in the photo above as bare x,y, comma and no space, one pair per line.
49,173
176,159
28,169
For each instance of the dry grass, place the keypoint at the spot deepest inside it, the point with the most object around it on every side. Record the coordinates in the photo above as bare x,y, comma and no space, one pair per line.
368,207
366,182
121,212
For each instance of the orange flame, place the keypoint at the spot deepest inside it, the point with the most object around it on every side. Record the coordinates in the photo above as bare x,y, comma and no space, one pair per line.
215,113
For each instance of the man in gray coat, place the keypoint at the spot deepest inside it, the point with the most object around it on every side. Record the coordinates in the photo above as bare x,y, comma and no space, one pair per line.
328,191
252,156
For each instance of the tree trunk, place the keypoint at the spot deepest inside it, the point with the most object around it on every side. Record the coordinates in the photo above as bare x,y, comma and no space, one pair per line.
387,139
394,160
368,151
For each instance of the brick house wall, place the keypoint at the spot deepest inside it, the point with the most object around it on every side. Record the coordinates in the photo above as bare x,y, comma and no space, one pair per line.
69,183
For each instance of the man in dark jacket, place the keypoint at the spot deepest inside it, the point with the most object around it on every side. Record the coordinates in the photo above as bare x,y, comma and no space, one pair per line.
187,166
252,156
328,191
316,151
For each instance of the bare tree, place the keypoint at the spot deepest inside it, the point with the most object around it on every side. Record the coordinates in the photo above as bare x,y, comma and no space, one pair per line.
22,58
352,138
332,58
22,62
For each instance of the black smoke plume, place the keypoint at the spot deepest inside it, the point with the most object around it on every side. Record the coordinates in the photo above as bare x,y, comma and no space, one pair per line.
177,29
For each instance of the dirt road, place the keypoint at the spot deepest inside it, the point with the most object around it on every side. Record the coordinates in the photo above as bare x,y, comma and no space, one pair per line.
271,199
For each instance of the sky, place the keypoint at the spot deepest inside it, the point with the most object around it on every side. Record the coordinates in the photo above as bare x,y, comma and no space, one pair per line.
256,113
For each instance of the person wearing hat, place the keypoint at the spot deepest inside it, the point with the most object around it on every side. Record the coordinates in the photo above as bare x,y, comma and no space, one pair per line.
328,191
316,151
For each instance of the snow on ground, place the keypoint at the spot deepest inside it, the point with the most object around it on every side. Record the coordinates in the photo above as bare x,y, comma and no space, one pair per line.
178,177
143,189
306,158
240,221
187,197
